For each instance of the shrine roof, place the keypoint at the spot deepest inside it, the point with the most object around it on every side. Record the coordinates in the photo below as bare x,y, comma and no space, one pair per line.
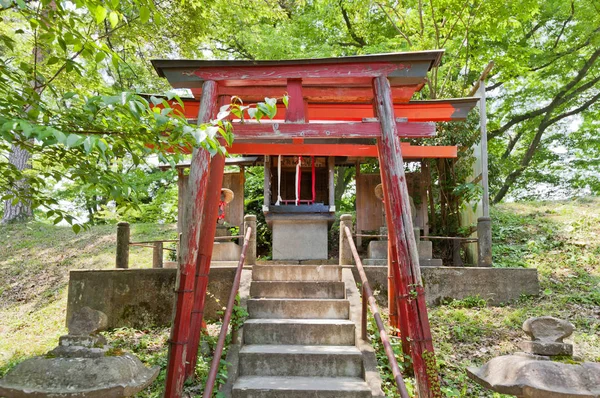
402,69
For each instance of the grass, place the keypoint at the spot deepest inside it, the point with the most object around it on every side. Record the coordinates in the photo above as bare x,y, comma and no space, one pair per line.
35,260
559,239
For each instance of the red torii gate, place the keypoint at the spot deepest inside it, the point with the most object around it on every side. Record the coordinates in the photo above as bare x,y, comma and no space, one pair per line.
364,95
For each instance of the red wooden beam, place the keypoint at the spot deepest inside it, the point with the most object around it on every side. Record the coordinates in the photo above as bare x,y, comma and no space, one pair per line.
354,150
253,131
397,203
208,227
198,179
417,111
333,94
321,71
295,110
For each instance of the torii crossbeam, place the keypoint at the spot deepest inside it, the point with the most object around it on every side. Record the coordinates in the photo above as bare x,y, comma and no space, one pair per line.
352,106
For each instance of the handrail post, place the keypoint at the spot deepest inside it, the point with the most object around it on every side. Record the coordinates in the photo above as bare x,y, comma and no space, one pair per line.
216,361
250,222
123,235
345,252
157,255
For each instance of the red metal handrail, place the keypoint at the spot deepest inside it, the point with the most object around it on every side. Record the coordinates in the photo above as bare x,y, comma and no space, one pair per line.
375,310
214,365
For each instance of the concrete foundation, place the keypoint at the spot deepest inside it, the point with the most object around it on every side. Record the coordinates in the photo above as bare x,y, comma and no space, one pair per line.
299,236
140,297
144,297
496,285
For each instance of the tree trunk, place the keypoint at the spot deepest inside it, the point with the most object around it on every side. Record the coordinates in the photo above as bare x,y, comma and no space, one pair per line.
19,157
20,211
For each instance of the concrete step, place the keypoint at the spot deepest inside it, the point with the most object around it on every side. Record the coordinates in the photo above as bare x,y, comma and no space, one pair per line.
268,289
297,273
300,387
300,360
299,331
277,308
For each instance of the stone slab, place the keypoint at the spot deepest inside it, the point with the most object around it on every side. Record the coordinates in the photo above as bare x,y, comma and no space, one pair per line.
530,376
496,285
298,308
293,289
378,249
551,349
300,360
226,251
323,273
300,238
299,331
300,387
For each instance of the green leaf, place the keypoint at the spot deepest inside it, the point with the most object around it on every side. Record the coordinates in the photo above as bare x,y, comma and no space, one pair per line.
100,14
100,56
76,228
113,18
73,140
60,136
144,14
285,100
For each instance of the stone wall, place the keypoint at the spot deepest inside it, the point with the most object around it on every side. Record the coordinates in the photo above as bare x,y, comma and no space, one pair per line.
496,285
144,297
140,297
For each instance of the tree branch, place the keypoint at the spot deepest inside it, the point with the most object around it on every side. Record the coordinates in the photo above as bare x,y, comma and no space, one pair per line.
394,24
361,41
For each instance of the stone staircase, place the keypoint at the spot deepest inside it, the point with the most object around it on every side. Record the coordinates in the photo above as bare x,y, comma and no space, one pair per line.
299,340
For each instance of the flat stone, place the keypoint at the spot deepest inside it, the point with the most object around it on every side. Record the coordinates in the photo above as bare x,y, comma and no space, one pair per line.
551,349
81,341
87,321
104,377
548,329
530,376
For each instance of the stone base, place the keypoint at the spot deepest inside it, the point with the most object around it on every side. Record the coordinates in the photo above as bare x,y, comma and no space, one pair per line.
378,249
548,349
423,262
300,236
226,251
496,285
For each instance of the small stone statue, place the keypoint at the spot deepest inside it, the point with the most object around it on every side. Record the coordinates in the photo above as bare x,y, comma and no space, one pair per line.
82,365
547,334
533,373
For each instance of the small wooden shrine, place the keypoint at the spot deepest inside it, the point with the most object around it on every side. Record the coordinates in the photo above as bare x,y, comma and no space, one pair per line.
348,107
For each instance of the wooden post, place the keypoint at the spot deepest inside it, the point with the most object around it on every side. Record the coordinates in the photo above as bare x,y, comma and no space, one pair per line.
456,258
267,189
397,200
157,255
250,222
331,181
208,227
295,110
345,251
182,180
484,223
123,235
198,180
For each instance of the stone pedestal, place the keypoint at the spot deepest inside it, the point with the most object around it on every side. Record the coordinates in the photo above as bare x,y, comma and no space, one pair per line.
300,236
